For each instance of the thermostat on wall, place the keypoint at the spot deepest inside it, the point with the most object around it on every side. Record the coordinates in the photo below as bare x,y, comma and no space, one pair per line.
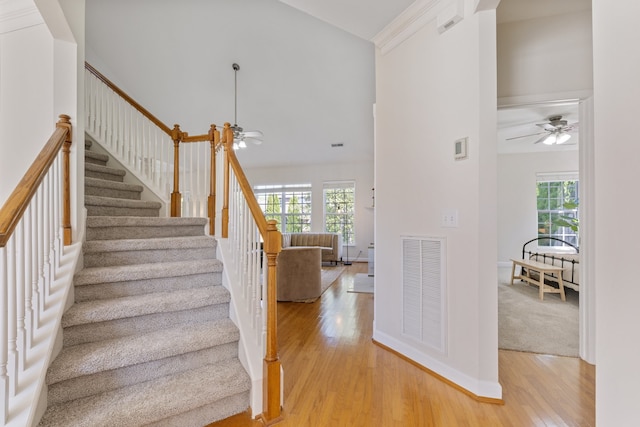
460,150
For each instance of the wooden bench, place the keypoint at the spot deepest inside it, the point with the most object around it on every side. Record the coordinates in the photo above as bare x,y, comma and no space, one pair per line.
542,269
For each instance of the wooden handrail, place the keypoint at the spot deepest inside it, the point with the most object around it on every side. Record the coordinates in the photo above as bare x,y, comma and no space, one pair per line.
271,410
127,98
243,182
272,238
19,200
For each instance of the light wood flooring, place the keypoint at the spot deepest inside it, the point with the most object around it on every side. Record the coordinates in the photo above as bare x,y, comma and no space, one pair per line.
334,375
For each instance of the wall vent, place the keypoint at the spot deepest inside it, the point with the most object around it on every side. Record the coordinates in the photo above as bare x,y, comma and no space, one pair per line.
424,302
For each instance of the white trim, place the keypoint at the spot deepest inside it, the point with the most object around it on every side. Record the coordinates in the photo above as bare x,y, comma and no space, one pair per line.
557,176
18,14
409,22
480,388
587,306
558,98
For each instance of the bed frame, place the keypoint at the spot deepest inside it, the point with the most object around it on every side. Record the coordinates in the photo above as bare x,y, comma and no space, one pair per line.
570,279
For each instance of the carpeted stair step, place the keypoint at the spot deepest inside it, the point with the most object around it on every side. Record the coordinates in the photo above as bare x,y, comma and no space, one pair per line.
113,189
105,319
107,253
128,280
103,172
108,206
112,228
212,393
88,385
95,158
96,357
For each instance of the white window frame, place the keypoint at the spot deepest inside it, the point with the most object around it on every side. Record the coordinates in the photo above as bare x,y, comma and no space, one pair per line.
566,233
347,228
284,191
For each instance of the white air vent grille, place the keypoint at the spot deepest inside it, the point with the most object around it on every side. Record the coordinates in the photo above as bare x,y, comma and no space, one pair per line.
424,291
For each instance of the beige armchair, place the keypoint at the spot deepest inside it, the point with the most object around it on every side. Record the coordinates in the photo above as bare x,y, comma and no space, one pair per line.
298,274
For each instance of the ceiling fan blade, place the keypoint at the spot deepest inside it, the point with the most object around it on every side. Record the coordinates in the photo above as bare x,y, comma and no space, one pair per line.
546,126
255,141
253,134
542,139
525,136
571,127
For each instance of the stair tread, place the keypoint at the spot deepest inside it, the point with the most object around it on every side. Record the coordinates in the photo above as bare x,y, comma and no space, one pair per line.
94,357
139,305
115,185
124,203
104,169
122,273
97,156
140,221
153,400
188,242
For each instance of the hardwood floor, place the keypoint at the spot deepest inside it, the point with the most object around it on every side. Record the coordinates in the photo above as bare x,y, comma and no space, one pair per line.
334,375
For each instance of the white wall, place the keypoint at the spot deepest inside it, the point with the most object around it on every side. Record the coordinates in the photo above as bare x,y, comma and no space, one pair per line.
27,118
616,95
38,82
316,175
302,82
517,210
431,90
545,55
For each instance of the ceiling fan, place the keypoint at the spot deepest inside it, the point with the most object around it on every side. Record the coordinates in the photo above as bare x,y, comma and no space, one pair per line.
240,136
555,131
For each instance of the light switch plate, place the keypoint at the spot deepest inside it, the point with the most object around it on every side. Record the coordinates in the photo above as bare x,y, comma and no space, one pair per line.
450,218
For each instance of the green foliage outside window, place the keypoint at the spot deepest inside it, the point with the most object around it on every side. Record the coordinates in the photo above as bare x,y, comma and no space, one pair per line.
558,211
290,208
339,212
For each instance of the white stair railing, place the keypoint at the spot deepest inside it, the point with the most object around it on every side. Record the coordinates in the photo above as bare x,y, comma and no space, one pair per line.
35,276
153,153
142,145
243,258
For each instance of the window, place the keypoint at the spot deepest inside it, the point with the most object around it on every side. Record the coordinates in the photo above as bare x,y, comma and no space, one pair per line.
289,205
557,198
339,209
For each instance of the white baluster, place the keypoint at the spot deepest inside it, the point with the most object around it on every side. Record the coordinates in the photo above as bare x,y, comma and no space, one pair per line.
57,206
41,273
12,317
46,267
4,336
28,274
20,294
35,271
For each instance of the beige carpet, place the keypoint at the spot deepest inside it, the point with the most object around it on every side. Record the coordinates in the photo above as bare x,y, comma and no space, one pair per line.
329,275
527,324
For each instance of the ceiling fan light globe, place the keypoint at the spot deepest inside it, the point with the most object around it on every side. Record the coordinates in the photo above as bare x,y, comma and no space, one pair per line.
235,145
562,138
242,144
550,140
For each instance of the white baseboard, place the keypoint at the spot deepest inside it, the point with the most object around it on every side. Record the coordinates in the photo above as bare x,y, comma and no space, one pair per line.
477,387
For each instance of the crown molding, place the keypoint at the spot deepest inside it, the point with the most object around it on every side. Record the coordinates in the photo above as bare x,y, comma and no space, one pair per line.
413,19
18,14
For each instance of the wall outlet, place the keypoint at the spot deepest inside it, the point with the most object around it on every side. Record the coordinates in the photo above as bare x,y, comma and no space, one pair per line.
449,217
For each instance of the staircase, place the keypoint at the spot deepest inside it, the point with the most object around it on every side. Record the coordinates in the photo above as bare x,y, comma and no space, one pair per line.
148,341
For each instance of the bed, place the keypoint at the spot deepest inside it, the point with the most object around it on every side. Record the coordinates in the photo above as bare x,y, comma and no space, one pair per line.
569,261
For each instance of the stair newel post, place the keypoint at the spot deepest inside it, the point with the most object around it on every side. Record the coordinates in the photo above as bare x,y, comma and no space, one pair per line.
65,123
271,368
176,136
214,139
227,142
